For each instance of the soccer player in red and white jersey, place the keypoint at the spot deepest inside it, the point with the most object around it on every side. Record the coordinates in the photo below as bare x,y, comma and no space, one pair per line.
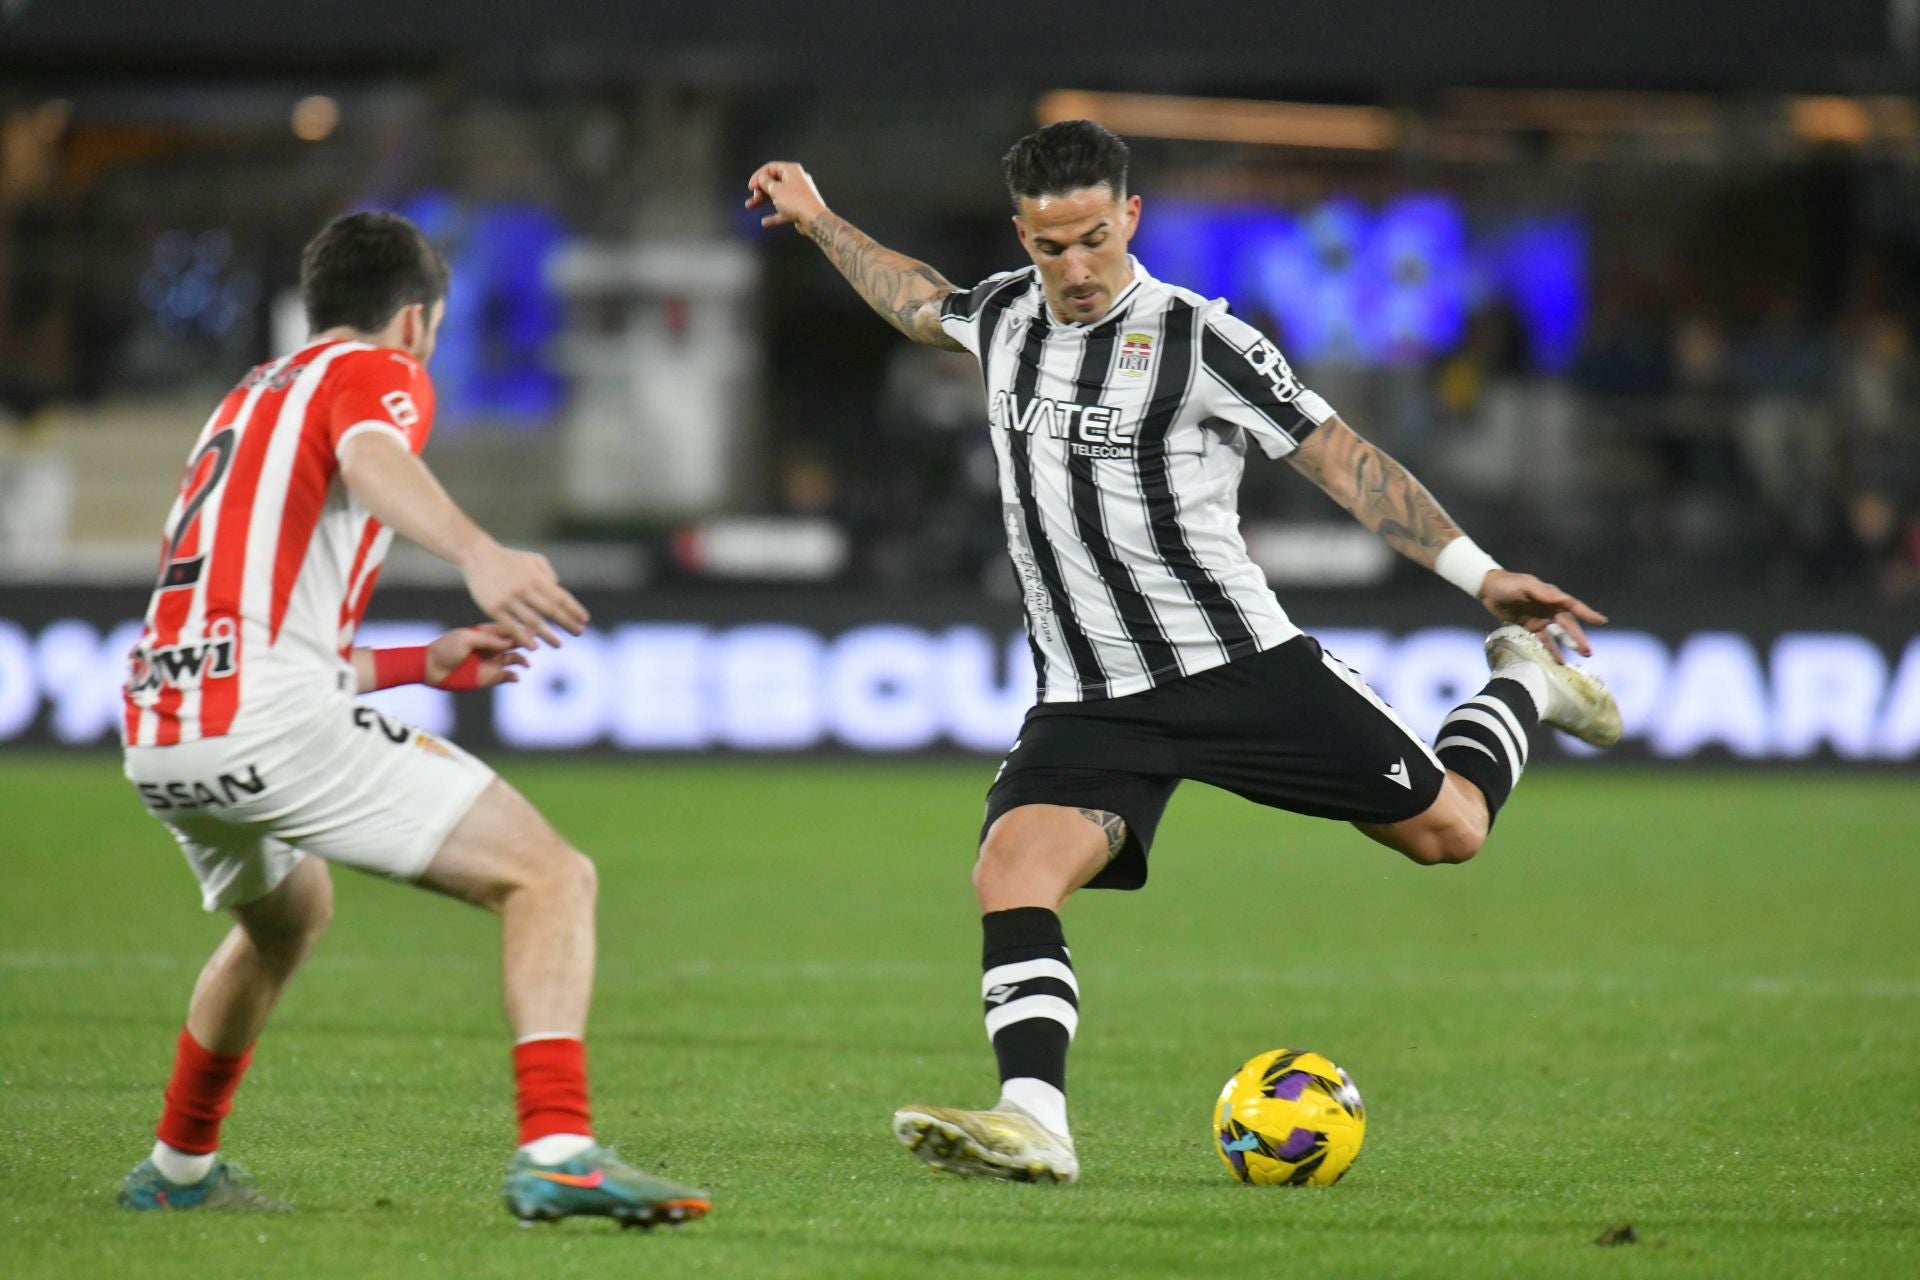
242,734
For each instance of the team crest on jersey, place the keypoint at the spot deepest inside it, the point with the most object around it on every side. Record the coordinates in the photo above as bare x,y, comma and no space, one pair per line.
1136,353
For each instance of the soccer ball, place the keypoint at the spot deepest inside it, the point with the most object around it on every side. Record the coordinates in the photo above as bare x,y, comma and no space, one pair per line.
1289,1117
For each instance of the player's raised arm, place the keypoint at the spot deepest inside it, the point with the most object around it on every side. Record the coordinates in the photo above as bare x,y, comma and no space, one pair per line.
1384,496
517,589
906,292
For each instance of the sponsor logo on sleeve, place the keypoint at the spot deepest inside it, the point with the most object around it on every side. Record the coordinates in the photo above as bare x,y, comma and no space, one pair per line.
1271,365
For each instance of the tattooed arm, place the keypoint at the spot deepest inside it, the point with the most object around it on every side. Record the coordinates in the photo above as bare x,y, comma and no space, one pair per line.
1377,491
1383,495
906,292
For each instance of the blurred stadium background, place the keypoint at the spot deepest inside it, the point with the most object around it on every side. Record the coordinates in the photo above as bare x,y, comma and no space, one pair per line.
1634,290
1633,285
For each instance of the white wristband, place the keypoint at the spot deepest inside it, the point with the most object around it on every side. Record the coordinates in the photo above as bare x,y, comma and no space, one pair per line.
1465,565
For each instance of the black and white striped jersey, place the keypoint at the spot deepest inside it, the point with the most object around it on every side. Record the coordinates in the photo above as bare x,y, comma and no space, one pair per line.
1120,445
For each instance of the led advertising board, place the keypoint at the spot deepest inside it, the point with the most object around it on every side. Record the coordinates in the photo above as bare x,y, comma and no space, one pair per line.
736,678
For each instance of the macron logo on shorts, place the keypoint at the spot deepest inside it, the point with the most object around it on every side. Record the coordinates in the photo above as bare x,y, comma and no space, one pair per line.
1399,773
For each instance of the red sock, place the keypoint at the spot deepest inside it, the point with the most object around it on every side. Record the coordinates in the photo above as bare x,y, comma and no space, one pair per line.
551,1076
199,1096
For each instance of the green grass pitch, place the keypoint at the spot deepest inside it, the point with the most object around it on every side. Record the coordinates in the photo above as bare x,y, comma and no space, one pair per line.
1686,1003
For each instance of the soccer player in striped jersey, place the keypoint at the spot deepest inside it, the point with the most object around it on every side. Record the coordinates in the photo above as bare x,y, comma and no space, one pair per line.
1122,409
243,737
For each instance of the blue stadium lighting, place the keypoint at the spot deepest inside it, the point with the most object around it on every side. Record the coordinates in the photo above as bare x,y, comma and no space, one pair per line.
1542,268
1387,287
192,286
493,360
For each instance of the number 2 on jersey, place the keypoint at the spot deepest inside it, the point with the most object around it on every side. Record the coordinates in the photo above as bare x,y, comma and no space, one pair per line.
184,571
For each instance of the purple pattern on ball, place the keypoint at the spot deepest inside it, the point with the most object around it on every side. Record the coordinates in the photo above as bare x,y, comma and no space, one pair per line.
1290,1086
1299,1144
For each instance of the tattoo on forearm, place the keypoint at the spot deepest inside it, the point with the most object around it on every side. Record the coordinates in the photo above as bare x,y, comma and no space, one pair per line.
896,286
1381,494
1113,825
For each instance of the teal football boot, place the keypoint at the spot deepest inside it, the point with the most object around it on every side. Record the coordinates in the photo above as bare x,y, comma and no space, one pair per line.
598,1183
227,1187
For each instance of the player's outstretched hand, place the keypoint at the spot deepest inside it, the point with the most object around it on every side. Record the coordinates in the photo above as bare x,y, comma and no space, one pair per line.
476,657
520,592
1541,608
790,190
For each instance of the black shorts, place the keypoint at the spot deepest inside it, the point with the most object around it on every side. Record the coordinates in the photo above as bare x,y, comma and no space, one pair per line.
1291,727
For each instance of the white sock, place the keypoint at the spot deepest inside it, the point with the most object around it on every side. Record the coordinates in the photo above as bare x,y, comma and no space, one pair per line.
1038,1099
182,1168
1532,679
556,1148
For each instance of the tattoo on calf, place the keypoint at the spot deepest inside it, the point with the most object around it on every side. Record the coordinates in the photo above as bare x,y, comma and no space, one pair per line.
1113,825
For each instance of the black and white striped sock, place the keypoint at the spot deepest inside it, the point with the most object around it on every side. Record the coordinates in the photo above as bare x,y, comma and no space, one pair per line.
1032,1005
1485,738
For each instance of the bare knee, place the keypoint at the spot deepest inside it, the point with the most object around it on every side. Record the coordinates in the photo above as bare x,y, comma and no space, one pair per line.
319,914
1036,856
1450,831
1444,844
1011,851
559,873
284,927
1453,830
285,948
585,876
1000,860
996,858
503,852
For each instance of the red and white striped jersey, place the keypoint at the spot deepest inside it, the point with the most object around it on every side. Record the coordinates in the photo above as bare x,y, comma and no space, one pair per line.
267,562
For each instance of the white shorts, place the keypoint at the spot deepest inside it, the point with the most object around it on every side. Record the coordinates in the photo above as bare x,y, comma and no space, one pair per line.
349,785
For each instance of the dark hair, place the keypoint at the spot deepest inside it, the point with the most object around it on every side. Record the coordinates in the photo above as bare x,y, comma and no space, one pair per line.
364,267
1068,155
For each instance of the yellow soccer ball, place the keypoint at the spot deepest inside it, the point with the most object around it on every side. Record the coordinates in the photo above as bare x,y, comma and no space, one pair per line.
1290,1118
